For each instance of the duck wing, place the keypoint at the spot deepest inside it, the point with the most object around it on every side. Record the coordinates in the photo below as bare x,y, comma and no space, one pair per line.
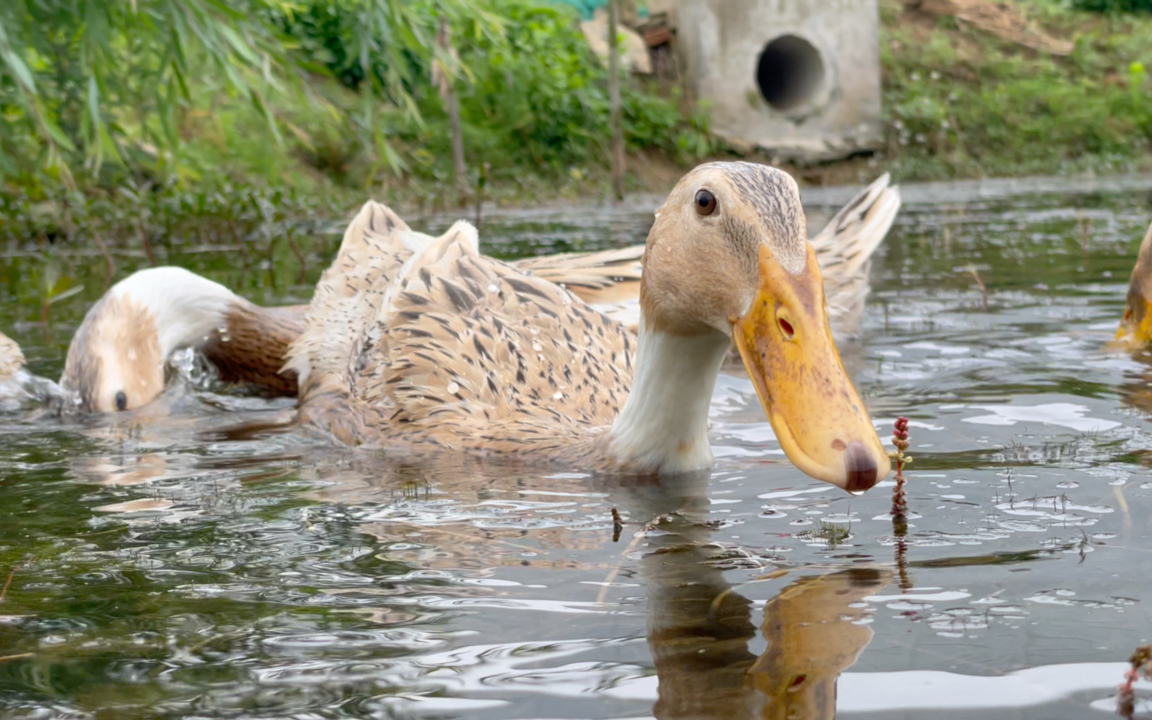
608,276
439,345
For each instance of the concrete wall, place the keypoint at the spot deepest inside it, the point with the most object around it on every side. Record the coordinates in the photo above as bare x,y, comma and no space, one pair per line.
823,81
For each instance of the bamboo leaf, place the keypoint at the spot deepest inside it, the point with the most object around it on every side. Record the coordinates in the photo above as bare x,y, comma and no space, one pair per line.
19,69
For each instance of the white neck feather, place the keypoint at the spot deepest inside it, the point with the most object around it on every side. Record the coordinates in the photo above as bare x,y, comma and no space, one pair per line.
186,307
663,425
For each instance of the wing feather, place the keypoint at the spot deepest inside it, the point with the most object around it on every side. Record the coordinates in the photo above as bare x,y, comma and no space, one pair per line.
461,350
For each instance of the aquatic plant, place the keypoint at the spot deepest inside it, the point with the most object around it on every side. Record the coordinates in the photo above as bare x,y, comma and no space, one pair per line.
899,510
1140,666
899,496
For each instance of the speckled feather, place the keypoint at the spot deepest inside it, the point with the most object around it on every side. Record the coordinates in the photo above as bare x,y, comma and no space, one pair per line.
454,350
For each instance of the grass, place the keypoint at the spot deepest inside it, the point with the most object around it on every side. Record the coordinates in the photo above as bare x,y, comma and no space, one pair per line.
960,102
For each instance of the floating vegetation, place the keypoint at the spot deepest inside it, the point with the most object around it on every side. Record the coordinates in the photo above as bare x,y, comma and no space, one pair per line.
831,533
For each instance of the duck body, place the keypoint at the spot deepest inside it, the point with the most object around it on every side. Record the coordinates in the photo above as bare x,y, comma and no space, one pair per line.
423,342
426,344
11,358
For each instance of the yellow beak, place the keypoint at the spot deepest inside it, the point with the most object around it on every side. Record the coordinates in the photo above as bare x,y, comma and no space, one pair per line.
786,344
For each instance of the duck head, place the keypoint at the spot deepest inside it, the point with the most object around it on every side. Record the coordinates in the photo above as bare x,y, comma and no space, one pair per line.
728,260
117,358
1136,326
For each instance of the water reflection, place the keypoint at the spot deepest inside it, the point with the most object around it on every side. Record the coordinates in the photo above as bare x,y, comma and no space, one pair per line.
700,629
457,523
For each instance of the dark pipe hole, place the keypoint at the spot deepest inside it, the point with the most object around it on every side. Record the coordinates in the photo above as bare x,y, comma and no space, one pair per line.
790,72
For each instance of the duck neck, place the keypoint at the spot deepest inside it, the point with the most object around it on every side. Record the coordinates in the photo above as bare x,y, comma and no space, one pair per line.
663,425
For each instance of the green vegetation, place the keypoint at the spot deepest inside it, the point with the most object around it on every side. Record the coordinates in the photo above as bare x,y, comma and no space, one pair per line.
962,102
1114,6
185,120
330,98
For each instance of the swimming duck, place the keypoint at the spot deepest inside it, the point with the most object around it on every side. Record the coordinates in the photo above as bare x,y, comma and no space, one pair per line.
429,346
117,357
1135,329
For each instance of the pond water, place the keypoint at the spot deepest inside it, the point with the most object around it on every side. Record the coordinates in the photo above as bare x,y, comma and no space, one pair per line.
156,567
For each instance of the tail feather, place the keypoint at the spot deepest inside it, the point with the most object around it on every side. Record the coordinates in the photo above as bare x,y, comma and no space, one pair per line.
348,297
845,247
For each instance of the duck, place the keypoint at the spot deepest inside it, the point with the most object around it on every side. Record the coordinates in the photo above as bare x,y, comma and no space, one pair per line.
117,358
1135,331
20,388
427,346
12,373
11,359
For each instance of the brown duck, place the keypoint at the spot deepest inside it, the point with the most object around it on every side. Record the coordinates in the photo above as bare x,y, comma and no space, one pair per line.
427,346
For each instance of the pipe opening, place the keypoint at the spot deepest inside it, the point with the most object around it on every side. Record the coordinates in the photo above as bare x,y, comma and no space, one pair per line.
790,72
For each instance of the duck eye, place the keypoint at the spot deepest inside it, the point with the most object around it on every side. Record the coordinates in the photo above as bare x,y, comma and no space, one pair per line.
705,202
121,401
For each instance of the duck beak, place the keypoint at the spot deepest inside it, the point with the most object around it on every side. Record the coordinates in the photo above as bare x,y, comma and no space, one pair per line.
786,344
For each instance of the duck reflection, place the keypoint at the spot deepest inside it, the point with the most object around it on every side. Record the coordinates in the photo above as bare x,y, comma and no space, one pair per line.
699,627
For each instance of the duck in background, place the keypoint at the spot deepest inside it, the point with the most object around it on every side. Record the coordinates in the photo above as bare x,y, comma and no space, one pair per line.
12,390
1135,331
430,347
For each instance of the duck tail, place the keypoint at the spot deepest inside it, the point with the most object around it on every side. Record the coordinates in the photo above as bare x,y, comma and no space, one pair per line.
341,325
845,247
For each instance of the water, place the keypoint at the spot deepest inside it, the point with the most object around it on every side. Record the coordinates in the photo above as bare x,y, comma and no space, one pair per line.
161,569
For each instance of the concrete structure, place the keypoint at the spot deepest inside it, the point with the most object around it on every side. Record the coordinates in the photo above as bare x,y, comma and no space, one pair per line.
798,78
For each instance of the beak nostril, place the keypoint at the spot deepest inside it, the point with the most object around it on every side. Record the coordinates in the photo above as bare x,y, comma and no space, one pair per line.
786,329
861,466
